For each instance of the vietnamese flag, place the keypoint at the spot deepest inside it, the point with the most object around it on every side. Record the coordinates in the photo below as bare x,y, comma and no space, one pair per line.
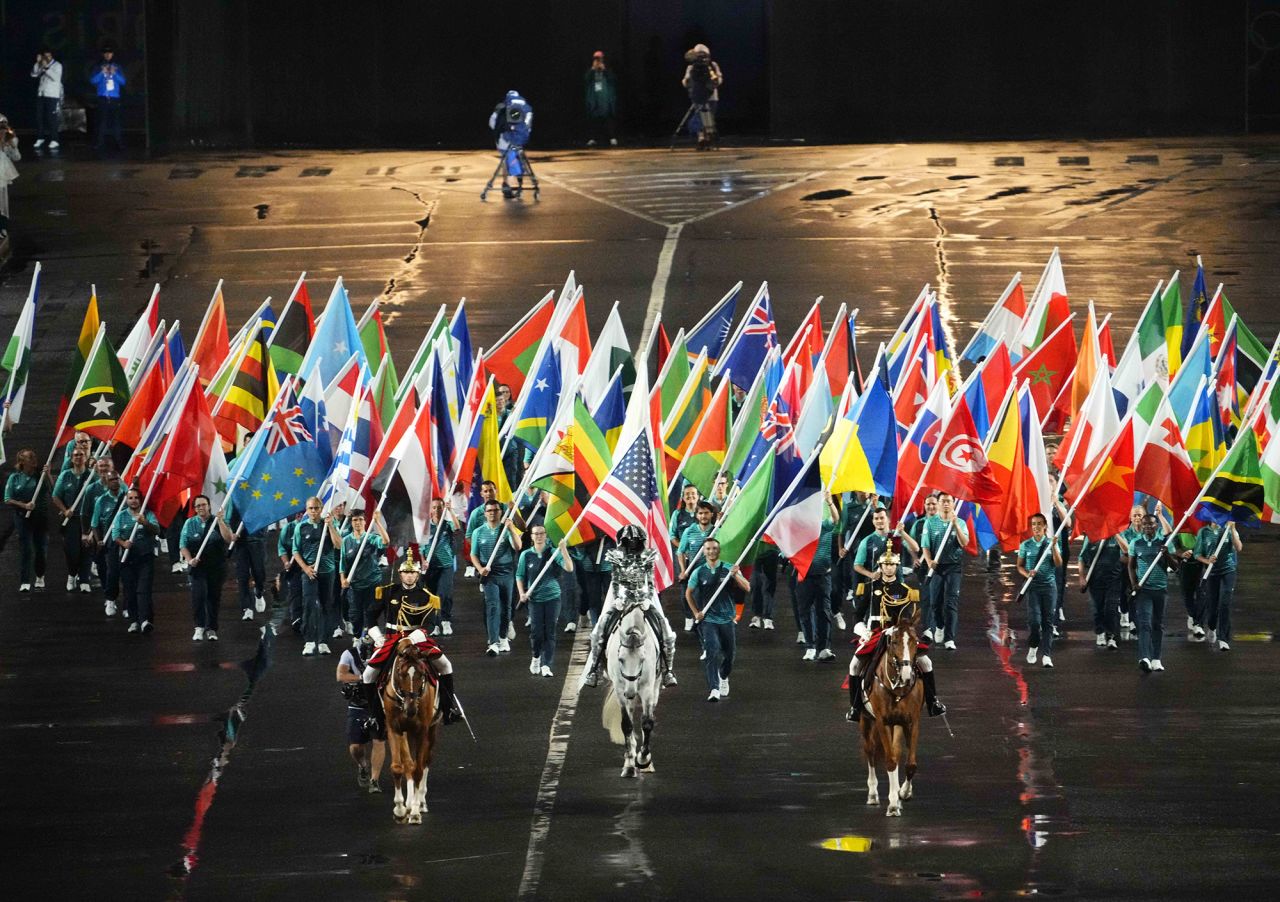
1102,506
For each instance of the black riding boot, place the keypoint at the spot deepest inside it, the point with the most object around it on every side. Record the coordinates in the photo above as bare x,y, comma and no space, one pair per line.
931,702
855,703
448,703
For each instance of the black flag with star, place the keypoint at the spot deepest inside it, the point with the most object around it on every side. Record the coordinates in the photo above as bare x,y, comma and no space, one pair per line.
103,394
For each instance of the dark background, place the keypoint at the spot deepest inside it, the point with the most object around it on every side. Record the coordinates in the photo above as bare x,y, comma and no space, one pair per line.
426,73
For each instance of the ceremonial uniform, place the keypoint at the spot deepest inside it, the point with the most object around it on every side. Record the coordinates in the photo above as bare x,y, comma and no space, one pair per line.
869,552
1104,586
406,609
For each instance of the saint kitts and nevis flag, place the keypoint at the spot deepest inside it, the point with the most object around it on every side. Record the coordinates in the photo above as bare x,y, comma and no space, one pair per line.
100,395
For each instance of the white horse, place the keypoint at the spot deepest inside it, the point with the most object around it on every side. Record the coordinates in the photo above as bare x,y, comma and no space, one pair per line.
634,665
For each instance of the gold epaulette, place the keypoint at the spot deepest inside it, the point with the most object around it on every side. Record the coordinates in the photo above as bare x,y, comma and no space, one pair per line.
858,591
913,594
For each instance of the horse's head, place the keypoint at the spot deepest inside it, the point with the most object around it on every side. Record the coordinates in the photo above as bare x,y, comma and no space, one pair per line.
633,651
901,653
408,682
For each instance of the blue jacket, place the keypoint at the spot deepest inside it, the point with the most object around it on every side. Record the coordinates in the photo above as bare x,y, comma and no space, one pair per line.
108,86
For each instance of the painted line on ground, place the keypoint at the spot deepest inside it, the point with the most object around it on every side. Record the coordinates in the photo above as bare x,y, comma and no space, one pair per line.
658,291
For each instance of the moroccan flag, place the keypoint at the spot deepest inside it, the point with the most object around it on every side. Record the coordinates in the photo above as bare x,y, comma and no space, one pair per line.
81,353
101,394
293,331
1047,368
707,450
252,389
1102,507
960,467
212,345
510,359
1237,491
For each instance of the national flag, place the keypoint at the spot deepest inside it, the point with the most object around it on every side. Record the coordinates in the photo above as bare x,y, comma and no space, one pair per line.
1102,503
294,329
1236,492
1197,367
1269,470
805,347
101,396
537,409
1047,369
861,454
336,340
17,355
386,390
184,461
672,377
84,343
705,457
747,515
611,354
815,415
488,448
269,487
1202,432
1151,335
919,376
1047,309
212,346
1002,323
837,353
1164,469
711,334
959,467
252,389
1197,306
936,338
1225,387
348,478
776,430
139,337
461,335
682,420
750,417
574,339
1019,468
591,465
404,474
917,448
630,495
757,334
143,407
994,379
795,525
611,412
1089,363
373,338
664,347
1090,432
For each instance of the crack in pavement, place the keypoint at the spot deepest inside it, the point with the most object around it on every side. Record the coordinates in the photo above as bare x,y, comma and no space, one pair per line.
406,265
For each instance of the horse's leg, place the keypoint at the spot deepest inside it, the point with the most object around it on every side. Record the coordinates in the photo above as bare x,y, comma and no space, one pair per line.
892,736
398,755
912,735
417,777
628,743
869,752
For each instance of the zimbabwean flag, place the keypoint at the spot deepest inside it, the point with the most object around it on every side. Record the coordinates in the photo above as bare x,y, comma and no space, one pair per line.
100,394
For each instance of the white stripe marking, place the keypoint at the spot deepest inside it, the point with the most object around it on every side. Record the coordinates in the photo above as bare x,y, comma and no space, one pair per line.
557,749
658,291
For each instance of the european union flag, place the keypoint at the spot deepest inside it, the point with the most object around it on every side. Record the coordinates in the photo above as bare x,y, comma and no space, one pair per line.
270,487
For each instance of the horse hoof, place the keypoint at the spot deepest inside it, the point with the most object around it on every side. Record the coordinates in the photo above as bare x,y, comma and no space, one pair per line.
894,811
905,792
628,771
873,800
644,762
647,769
415,818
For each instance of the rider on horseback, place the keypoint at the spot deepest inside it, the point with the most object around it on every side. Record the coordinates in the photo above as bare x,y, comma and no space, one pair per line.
632,584
894,599
397,641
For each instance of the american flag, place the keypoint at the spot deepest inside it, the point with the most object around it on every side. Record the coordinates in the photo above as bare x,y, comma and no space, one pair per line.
629,495
286,424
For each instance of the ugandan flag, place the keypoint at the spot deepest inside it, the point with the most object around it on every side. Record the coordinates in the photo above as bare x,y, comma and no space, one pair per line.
1236,492
293,331
252,388
100,395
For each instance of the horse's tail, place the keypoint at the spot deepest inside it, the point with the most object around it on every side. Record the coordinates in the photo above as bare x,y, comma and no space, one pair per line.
611,717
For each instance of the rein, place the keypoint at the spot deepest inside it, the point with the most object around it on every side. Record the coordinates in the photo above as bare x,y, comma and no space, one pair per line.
412,696
896,689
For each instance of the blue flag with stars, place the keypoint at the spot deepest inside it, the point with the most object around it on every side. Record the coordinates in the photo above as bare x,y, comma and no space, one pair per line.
269,487
336,339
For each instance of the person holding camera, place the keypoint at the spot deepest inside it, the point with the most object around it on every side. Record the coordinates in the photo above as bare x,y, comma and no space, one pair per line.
48,74
108,79
512,123
702,79
602,101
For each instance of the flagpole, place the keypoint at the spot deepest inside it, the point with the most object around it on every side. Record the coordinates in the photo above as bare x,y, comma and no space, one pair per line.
991,315
848,439
1226,532
232,365
737,332
22,347
686,392
208,314
1261,389
714,307
66,416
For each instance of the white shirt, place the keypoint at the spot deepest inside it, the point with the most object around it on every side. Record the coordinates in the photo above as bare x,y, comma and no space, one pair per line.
50,84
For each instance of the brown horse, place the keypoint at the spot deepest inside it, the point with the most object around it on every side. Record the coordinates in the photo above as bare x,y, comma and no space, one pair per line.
895,697
409,699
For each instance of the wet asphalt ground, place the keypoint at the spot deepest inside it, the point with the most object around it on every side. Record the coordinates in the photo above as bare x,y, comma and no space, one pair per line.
155,767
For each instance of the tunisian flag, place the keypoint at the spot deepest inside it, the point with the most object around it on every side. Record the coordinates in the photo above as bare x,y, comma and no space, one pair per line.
959,466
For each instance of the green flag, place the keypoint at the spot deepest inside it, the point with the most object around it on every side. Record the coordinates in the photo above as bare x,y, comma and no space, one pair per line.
102,395
1269,468
1236,491
747,514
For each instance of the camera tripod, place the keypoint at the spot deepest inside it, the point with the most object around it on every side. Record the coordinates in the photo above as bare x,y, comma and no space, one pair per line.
711,138
501,170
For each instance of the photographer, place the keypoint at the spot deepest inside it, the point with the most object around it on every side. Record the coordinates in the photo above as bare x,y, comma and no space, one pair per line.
702,79
48,74
8,172
108,79
602,101
512,123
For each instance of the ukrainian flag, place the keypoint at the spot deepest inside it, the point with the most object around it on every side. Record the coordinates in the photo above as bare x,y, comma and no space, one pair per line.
861,454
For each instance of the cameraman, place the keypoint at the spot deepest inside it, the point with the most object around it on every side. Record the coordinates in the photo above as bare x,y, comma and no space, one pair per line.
48,74
512,123
702,79
108,79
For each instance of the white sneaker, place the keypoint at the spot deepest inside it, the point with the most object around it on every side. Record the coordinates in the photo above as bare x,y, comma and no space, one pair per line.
198,635
1191,622
826,655
25,587
133,627
39,582
840,621
53,145
178,567
1156,665
259,604
470,572
1046,661
724,688
528,624
247,615
571,626
211,635
39,142
309,648
491,650
85,589
768,624
546,671
1111,643
1212,634
1197,634
1145,664
511,631
714,696
688,624
446,628
322,648
1031,655
951,645
1223,646
703,656
146,626
755,623
337,633
534,665
1062,616
71,583
800,640
1100,639
109,609
504,645
809,655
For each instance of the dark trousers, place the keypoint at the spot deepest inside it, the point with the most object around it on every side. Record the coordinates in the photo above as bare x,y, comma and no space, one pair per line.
1219,592
812,595
1149,607
136,573
362,608
109,570
943,609
79,558
206,597
440,582
291,592
319,607
109,119
543,617
1104,592
842,580
1042,607
498,590
47,118
1193,590
721,643
592,587
600,128
764,586
251,563
33,540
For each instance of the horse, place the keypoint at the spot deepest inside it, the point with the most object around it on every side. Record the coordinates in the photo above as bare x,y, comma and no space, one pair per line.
634,661
410,700
895,699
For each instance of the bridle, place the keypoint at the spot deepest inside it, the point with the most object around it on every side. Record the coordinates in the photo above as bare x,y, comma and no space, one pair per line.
406,699
633,639
894,685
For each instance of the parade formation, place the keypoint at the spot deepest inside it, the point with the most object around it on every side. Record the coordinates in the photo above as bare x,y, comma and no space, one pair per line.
632,479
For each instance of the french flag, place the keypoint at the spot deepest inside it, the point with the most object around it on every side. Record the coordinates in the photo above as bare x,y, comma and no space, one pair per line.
796,526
